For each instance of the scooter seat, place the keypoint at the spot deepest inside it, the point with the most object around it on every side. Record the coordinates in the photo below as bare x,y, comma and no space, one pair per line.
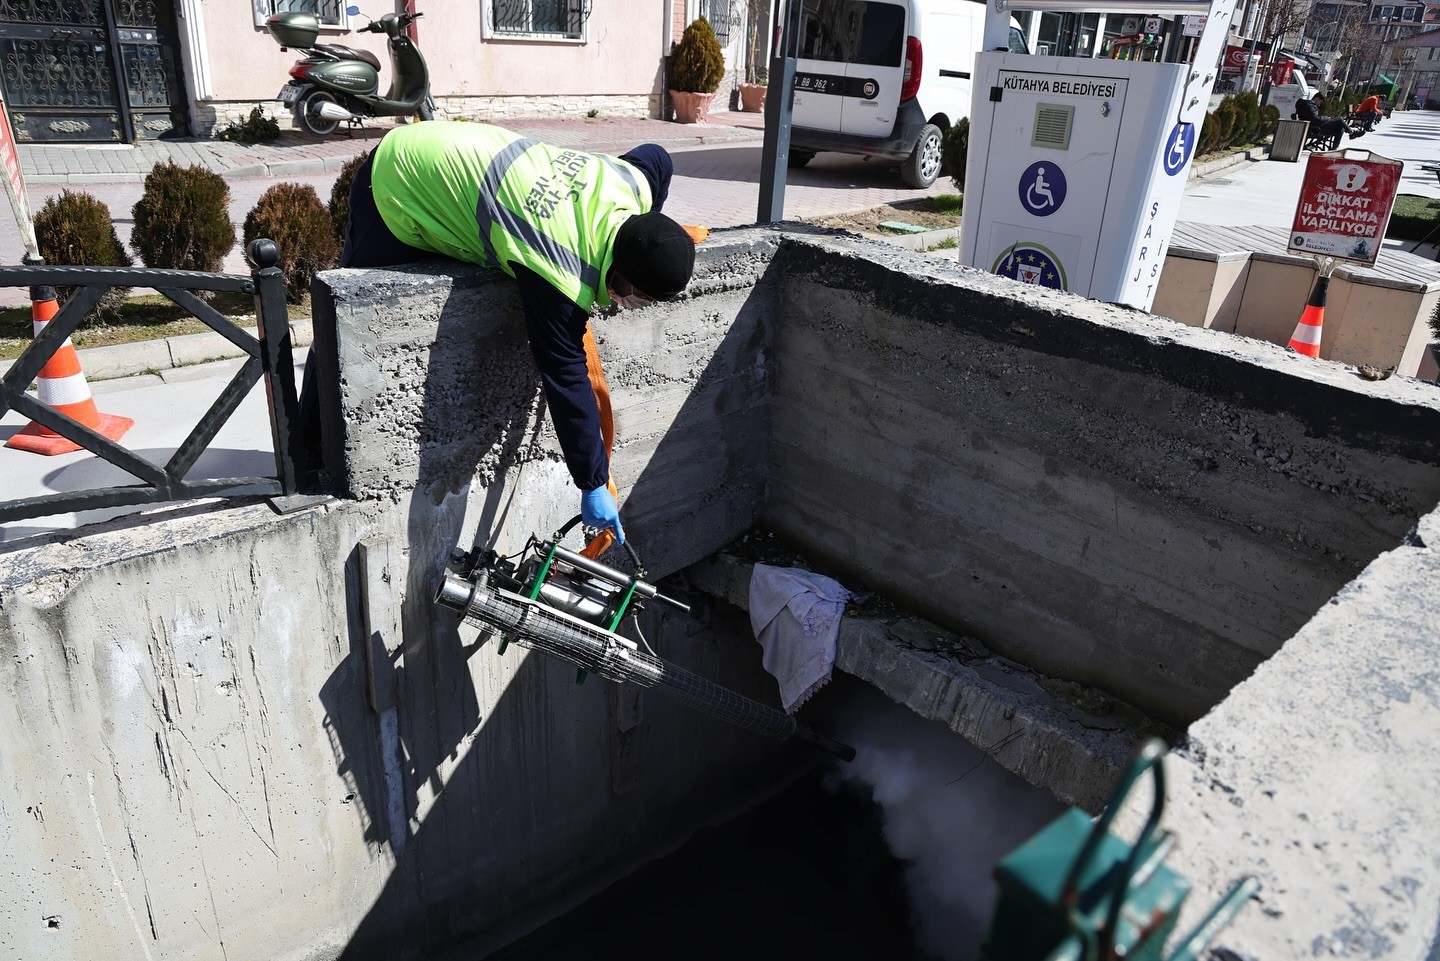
348,53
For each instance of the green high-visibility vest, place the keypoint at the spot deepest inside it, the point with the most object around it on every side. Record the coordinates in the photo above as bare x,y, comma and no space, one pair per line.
488,196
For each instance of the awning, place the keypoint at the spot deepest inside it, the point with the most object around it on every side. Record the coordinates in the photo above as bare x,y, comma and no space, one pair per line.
1380,78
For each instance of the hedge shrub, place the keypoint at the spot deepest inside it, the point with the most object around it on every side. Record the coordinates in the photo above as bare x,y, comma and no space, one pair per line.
340,196
955,150
182,219
75,229
292,215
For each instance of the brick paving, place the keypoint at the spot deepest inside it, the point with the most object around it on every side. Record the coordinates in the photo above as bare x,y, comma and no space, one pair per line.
717,165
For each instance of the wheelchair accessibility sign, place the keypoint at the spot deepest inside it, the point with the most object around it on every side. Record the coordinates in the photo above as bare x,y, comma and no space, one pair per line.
1042,188
1178,147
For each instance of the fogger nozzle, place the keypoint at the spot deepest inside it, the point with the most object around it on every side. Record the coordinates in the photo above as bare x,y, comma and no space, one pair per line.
531,624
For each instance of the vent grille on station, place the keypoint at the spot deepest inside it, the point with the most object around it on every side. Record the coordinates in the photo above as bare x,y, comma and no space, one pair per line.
1052,126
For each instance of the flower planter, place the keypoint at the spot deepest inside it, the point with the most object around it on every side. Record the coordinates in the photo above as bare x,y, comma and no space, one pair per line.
691,107
752,97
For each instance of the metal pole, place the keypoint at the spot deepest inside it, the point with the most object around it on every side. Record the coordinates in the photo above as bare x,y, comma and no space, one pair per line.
775,155
276,360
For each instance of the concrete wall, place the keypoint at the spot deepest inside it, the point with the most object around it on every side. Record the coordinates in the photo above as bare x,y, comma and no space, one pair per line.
247,730
1317,776
239,734
1117,500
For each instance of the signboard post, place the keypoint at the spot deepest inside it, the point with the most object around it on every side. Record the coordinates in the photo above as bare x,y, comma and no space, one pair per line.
1344,208
15,187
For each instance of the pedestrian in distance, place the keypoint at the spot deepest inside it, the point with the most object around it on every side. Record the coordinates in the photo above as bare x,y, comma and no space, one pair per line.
1327,130
576,230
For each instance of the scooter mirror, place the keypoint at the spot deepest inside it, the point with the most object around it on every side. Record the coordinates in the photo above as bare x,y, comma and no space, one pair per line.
352,11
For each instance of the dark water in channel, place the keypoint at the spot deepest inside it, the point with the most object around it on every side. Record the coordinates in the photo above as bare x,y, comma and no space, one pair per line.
806,875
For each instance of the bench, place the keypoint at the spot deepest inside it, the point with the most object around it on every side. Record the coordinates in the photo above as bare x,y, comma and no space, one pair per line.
1242,280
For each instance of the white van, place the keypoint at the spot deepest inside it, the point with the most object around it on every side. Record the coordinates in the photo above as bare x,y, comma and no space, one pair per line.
886,78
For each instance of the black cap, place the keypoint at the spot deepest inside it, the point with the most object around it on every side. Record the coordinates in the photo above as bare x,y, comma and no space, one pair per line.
655,254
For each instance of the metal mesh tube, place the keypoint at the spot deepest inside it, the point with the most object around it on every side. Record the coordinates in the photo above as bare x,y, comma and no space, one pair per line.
542,629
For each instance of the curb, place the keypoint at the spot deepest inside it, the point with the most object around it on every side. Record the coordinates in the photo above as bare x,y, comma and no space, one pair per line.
921,241
1211,166
150,356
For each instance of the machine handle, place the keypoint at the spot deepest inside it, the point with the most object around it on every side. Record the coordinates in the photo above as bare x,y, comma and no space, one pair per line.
1147,758
592,566
634,557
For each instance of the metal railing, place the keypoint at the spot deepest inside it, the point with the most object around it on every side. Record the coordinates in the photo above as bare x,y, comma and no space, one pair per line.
268,356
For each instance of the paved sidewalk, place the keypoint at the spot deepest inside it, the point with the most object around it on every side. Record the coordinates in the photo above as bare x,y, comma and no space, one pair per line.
295,153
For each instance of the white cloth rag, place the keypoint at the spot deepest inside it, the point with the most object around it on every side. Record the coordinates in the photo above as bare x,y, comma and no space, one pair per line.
796,614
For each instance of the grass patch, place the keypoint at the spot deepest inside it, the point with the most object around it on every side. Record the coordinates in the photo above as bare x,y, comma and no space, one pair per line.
141,317
948,205
949,243
1414,217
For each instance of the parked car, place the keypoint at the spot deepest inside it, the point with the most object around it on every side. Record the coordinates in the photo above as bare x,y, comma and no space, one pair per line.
886,78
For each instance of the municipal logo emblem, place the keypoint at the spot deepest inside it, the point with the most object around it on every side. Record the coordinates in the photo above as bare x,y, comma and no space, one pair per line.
1031,264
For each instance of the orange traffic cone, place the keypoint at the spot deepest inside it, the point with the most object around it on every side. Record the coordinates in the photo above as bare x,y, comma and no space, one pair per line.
1306,339
62,387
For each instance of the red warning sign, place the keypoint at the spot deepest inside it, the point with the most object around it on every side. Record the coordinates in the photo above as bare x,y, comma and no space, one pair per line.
1345,206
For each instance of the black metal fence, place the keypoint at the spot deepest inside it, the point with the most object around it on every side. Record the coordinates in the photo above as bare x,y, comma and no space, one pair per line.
268,356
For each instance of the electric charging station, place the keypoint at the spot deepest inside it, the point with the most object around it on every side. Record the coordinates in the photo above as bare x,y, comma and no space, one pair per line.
1077,166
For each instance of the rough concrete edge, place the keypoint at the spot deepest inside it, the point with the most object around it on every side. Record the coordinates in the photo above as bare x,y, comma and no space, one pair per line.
42,569
1221,347
125,360
1057,750
1232,781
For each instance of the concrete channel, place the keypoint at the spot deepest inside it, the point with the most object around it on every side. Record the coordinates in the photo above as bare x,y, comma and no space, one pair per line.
242,730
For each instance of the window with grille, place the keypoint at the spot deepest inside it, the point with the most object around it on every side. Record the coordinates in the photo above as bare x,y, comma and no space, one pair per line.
537,19
330,13
724,17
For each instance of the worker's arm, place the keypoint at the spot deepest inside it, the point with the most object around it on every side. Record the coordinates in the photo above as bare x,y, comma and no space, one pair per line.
556,328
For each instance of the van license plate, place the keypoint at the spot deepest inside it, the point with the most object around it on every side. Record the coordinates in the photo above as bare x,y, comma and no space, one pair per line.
288,93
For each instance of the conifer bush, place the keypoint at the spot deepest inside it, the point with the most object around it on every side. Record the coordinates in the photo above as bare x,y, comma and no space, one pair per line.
340,196
1269,120
182,219
697,64
292,215
1247,117
955,150
75,230
1225,116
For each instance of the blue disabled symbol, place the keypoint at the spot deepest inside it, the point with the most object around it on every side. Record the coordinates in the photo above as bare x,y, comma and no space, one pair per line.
1042,188
1178,147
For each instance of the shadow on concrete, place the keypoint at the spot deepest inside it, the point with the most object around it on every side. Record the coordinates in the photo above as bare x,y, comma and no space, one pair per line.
94,473
828,171
503,792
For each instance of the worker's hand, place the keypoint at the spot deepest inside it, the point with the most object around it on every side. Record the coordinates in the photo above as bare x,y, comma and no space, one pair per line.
598,509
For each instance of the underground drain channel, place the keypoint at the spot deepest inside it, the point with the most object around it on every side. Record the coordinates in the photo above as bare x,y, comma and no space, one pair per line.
891,862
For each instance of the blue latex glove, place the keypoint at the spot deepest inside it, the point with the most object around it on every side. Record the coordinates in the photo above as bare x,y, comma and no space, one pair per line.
598,509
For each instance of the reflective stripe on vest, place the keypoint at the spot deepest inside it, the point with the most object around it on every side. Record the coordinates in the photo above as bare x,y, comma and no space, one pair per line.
553,210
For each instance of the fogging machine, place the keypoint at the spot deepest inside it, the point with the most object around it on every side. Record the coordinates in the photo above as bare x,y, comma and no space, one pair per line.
568,605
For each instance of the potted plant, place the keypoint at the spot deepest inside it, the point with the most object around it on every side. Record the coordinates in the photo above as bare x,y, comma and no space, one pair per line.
752,91
695,69
752,94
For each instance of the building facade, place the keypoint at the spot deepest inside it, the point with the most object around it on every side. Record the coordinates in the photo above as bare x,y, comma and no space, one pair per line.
128,70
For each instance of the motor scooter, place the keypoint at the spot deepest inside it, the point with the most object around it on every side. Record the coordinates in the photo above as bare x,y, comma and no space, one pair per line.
335,83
